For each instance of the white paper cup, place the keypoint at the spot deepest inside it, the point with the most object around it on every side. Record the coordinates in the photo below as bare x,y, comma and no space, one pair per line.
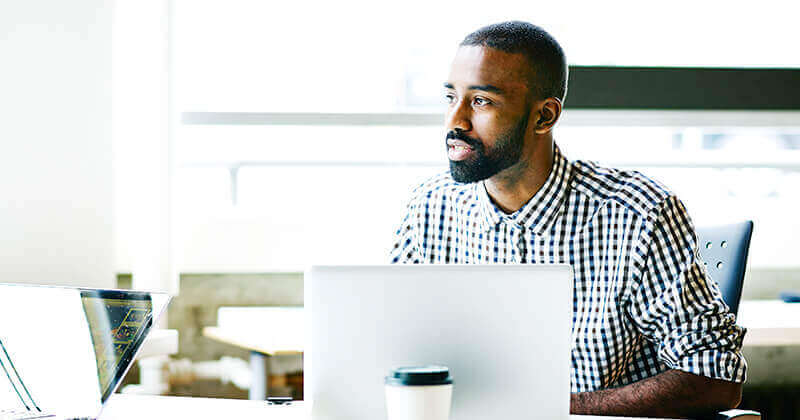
419,393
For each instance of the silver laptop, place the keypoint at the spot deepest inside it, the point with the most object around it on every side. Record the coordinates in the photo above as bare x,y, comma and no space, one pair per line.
503,330
64,351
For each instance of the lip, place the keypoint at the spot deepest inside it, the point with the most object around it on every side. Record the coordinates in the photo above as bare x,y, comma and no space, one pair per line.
458,143
458,150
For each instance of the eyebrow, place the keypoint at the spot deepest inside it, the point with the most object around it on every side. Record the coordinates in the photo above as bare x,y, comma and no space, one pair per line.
486,88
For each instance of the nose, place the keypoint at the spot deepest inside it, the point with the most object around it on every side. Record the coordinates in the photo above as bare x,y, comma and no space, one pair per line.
458,117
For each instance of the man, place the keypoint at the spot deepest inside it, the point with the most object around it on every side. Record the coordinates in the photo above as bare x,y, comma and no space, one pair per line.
651,335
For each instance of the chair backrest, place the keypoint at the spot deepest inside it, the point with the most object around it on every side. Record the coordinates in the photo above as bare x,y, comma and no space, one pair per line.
724,251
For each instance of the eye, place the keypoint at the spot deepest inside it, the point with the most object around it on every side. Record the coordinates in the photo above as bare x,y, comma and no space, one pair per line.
480,101
449,98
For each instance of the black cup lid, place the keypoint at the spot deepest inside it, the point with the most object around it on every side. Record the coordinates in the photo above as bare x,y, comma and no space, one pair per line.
419,375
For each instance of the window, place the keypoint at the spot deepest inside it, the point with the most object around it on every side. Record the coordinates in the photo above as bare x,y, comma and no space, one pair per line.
322,126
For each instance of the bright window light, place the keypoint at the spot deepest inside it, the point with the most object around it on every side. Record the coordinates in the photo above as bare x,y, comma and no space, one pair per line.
256,198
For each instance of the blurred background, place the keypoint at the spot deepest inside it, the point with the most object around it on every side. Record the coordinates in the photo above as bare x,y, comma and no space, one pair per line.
213,149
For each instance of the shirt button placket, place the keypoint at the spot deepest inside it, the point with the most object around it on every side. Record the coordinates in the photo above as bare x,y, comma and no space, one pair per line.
514,243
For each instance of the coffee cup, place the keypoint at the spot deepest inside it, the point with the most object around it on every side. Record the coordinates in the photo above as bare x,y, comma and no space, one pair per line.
419,393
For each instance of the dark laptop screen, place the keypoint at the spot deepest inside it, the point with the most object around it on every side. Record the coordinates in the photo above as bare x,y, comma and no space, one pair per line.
118,321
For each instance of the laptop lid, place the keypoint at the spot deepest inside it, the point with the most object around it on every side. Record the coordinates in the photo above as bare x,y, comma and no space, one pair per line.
65,350
503,330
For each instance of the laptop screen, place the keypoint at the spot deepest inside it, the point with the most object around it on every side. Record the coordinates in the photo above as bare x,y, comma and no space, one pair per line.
65,350
117,322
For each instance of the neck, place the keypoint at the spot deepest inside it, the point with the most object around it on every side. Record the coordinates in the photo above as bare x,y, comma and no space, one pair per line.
511,188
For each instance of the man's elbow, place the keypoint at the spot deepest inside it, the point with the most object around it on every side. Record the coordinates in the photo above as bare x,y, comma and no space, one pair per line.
736,396
728,395
716,394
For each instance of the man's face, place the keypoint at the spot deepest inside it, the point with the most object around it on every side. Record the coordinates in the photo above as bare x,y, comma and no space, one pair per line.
487,114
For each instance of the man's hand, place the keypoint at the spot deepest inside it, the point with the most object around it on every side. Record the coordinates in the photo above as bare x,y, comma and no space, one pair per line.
673,393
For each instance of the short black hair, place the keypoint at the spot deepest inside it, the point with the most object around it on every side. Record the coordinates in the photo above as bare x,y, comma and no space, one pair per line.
547,59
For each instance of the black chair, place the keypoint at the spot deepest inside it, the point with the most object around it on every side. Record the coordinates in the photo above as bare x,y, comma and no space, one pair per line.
724,252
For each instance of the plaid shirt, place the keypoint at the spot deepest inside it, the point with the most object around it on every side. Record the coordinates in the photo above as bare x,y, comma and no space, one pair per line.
643,302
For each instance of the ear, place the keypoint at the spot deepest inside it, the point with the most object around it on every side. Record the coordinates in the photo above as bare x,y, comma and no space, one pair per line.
549,111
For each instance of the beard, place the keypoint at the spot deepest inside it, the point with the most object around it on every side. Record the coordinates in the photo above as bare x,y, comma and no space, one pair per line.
488,162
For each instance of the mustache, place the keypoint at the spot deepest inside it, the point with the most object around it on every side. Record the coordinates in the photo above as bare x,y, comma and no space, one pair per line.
456,135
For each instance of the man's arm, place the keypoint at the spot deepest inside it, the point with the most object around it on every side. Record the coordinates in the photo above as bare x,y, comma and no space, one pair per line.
674,393
676,305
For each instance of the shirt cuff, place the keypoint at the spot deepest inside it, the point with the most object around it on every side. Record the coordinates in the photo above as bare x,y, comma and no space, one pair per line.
718,364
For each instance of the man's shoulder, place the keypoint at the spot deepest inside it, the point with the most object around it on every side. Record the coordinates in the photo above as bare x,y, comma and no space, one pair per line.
632,189
437,187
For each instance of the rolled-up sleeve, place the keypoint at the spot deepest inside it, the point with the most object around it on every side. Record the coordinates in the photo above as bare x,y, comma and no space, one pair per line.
676,305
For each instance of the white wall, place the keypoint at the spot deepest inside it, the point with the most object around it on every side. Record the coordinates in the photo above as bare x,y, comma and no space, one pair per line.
56,172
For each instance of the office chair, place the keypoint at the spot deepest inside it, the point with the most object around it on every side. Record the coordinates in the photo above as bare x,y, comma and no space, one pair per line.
724,251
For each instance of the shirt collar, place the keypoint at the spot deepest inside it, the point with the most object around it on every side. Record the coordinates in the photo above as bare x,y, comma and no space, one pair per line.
538,213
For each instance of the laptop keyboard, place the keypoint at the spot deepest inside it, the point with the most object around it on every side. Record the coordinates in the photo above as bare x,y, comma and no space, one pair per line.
13,414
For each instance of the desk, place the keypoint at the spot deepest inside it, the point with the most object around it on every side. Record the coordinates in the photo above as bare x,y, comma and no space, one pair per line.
135,407
261,348
770,322
130,407
158,343
265,332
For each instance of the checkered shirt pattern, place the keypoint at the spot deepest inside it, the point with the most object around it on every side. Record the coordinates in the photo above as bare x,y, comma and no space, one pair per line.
643,302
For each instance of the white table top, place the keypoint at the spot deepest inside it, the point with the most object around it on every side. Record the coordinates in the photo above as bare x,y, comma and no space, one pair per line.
129,407
280,329
770,322
265,343
159,342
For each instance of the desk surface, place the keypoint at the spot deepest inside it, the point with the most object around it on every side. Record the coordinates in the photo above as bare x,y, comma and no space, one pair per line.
129,407
265,343
279,330
768,323
159,342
